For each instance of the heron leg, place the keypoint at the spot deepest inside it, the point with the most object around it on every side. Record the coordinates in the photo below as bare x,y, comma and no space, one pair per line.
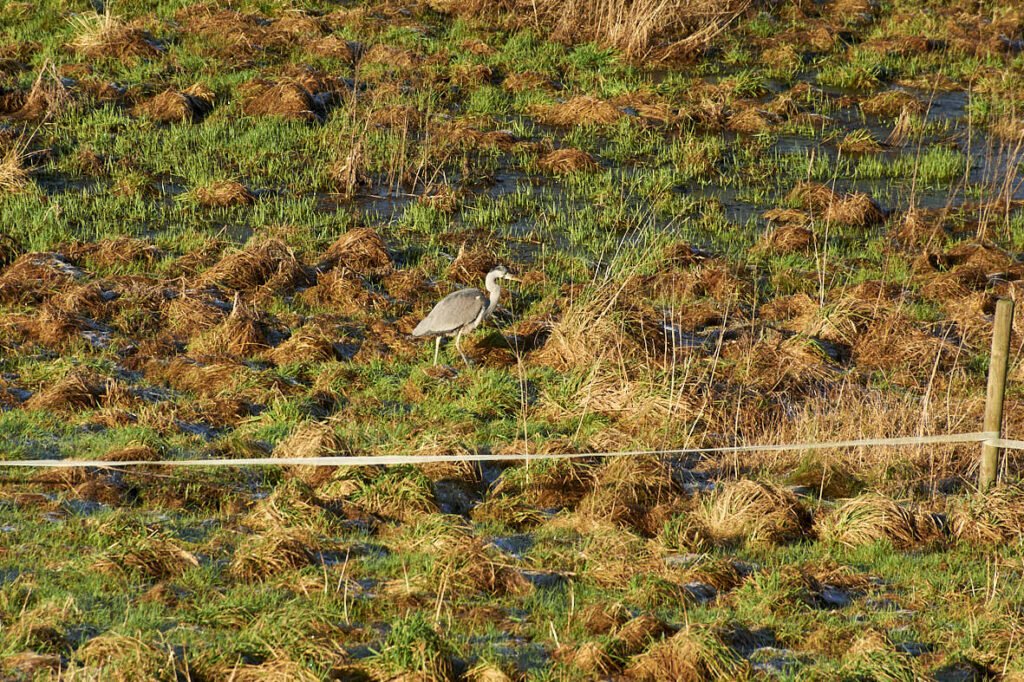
459,348
437,348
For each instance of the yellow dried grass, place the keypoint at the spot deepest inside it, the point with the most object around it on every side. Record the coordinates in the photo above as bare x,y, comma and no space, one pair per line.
866,519
754,511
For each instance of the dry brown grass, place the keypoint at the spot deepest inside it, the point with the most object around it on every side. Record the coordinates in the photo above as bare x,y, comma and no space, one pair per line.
342,291
34,277
48,98
788,237
891,103
893,344
259,557
121,653
313,342
635,634
154,557
590,657
115,251
31,664
469,564
688,656
178,106
311,439
106,35
866,519
580,110
222,193
347,171
471,264
527,80
988,519
635,492
241,335
391,56
751,120
14,177
647,30
360,250
753,511
859,141
269,264
286,99
400,116
206,380
333,46
856,208
602,327
77,390
274,671
563,161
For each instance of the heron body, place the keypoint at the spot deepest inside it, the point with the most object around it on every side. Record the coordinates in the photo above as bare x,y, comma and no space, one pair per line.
462,311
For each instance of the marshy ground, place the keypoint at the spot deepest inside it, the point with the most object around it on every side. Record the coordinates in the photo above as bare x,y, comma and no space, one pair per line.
736,223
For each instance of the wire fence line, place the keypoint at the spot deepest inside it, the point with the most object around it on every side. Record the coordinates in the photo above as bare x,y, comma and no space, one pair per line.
988,437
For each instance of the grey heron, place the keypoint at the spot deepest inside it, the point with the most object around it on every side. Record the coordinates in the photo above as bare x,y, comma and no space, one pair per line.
462,311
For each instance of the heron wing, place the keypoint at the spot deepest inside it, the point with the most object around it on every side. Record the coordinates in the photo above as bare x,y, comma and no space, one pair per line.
455,310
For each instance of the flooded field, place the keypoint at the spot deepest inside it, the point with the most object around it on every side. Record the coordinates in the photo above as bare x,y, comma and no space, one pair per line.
735,223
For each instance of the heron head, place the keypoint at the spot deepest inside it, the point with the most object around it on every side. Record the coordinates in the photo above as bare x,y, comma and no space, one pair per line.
501,272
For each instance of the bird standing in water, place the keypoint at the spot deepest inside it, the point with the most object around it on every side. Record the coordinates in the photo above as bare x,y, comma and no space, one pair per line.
462,311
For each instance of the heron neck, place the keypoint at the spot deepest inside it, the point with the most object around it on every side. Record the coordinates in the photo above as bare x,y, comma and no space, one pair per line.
494,289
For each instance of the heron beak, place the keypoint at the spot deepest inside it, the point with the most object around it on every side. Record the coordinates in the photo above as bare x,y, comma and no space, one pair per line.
514,279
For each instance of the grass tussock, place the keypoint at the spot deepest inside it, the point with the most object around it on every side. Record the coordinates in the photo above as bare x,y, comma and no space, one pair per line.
178,106
311,439
898,346
642,30
600,327
125,658
636,492
261,556
312,343
688,656
471,264
636,634
394,57
360,250
155,557
242,334
866,519
115,251
14,176
855,209
34,277
788,237
222,193
341,291
77,390
582,110
48,98
753,511
590,657
468,564
526,80
563,161
287,99
271,264
992,518
398,116
106,35
890,103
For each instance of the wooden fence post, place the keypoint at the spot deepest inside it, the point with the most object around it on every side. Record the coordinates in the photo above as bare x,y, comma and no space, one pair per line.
998,361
